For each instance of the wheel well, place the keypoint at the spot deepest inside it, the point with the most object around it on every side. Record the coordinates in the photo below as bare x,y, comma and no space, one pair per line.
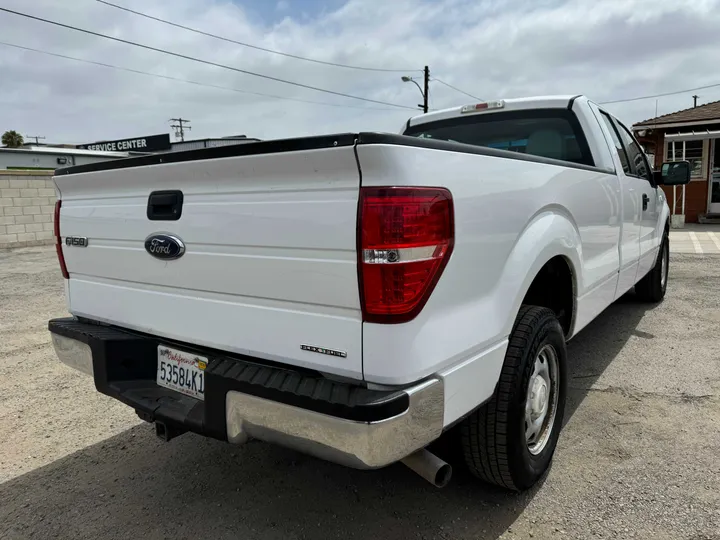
553,287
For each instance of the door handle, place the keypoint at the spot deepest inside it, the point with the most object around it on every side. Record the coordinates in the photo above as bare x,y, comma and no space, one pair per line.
165,205
645,200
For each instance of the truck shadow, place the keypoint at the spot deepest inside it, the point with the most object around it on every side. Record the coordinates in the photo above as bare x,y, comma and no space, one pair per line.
596,346
134,486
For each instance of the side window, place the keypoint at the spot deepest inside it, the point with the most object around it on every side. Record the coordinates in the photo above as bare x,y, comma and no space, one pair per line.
618,145
638,163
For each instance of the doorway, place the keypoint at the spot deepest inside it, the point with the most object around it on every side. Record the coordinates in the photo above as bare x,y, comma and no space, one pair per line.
714,203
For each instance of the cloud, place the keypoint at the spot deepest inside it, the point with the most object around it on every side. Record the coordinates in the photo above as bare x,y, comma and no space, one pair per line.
282,5
608,50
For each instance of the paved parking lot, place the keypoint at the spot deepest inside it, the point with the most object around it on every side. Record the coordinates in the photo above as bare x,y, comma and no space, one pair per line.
696,239
638,457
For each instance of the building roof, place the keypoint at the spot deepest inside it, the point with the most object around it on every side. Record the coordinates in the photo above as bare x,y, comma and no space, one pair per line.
707,112
46,145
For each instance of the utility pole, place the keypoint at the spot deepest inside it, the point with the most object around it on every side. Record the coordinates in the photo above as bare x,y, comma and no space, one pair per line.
179,128
426,73
695,98
36,137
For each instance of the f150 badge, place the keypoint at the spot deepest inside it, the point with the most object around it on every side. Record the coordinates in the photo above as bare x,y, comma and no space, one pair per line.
79,241
164,246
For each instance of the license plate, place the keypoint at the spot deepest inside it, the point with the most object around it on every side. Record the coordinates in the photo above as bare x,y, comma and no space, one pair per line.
181,371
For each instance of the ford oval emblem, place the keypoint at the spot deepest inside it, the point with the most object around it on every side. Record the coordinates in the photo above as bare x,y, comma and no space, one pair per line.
164,246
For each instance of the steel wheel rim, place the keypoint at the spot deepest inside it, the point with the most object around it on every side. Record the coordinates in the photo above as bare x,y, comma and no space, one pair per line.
664,265
541,400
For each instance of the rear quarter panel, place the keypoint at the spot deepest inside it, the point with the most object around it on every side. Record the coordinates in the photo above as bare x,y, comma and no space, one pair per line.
511,217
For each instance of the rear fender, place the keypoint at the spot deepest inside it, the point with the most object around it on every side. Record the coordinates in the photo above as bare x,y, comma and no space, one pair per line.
549,234
662,223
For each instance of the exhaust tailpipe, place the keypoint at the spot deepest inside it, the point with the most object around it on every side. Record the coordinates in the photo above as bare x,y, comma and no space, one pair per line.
430,467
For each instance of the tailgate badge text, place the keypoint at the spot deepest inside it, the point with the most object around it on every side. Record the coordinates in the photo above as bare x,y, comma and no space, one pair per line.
323,350
79,241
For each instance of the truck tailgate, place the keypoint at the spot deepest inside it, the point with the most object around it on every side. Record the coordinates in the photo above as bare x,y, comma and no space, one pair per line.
270,265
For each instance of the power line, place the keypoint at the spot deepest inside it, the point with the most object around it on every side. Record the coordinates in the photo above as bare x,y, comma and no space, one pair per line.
450,86
256,47
660,95
605,102
207,62
188,81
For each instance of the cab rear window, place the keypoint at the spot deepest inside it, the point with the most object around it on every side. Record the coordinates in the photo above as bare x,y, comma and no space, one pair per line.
548,133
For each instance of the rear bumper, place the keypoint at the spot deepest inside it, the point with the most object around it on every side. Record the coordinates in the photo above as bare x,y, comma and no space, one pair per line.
245,398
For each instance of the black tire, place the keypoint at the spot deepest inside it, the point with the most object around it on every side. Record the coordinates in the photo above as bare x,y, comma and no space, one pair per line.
652,287
493,437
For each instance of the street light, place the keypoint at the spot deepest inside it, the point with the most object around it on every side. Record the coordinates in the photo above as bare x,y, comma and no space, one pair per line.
424,94
405,78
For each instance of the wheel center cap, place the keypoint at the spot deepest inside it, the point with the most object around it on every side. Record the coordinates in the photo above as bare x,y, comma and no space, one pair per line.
539,400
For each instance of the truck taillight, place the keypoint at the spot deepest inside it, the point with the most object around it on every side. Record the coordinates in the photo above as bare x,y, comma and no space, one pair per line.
58,240
405,240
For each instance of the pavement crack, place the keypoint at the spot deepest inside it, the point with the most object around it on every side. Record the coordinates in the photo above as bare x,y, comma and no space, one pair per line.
587,376
638,395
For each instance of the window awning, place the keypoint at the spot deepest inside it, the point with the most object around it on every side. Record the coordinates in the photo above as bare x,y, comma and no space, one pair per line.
693,135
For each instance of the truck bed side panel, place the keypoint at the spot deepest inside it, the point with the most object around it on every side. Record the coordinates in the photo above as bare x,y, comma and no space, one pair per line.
572,210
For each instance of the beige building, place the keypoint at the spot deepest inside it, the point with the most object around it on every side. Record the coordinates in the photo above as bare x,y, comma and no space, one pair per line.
27,203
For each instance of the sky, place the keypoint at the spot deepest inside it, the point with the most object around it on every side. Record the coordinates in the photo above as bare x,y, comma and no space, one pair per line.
491,49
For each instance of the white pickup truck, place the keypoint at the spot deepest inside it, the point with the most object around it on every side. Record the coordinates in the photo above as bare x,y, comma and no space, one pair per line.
355,296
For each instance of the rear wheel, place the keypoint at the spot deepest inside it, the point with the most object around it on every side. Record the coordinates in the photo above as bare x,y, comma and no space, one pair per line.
510,441
652,287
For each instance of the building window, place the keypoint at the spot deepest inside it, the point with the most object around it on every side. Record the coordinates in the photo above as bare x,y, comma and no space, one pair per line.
691,151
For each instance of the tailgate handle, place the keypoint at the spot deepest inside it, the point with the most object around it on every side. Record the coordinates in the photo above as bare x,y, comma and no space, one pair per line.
165,205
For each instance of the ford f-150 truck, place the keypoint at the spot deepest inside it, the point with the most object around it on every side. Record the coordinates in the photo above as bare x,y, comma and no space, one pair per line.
355,296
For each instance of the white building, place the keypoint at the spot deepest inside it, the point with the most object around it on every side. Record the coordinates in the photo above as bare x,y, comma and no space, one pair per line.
51,158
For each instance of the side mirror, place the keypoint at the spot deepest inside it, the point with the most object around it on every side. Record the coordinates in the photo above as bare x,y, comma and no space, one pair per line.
673,173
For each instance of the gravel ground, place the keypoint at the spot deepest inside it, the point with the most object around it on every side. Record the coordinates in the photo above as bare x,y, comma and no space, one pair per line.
638,457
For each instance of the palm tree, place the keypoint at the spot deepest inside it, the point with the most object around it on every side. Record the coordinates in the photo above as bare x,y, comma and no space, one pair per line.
12,139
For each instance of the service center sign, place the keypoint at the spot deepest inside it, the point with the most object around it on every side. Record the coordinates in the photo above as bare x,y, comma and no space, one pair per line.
151,143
